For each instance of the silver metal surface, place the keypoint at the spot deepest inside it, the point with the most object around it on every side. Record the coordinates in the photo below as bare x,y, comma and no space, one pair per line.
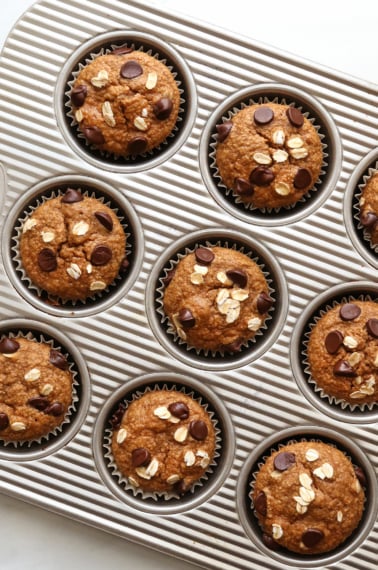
172,200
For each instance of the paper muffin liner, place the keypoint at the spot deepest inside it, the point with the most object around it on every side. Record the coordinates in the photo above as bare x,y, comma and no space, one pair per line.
169,327
362,231
231,194
123,481
72,409
344,405
16,256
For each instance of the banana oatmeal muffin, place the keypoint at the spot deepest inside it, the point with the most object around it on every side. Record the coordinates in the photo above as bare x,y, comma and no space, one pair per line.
369,208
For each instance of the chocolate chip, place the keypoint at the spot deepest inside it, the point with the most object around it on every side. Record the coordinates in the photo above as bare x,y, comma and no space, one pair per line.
311,537
368,220
198,430
54,409
372,327
168,278
295,116
333,341
125,264
270,542
204,256
58,359
115,420
263,115
101,255
181,487
137,145
349,312
260,503
223,130
122,50
47,260
233,346
264,302
105,219
40,403
360,476
78,95
131,69
93,135
4,421
140,456
302,179
284,460
343,368
71,196
179,410
186,318
9,346
261,176
238,276
243,187
163,108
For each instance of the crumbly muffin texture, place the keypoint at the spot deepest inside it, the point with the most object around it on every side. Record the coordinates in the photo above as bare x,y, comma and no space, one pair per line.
125,102
369,208
217,299
164,442
73,246
308,498
35,389
343,352
269,155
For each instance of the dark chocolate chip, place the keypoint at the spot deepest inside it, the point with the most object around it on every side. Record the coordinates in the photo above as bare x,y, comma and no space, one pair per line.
284,460
343,368
349,312
238,276
131,69
105,219
302,179
122,50
4,421
204,256
233,346
47,260
368,220
78,95
270,542
181,487
137,145
360,476
243,187
55,409
179,410
372,327
140,456
9,346
223,130
71,196
163,108
186,318
261,176
198,430
295,116
115,420
101,255
263,115
93,135
125,264
58,359
40,403
168,278
264,302
261,503
312,536
333,341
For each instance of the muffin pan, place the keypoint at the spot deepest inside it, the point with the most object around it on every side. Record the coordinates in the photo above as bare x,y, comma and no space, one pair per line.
171,200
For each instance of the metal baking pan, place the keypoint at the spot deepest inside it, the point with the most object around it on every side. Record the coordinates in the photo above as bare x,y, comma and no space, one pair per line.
172,201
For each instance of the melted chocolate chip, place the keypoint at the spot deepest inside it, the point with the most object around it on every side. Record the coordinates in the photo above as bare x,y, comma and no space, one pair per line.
137,145
223,130
115,420
58,359
179,410
101,255
71,196
372,327
233,346
261,176
140,456
9,346
78,95
163,108
204,256
260,503
186,318
263,115
368,220
198,430
40,403
122,50
333,341
243,187
360,476
47,260
343,368
4,421
302,179
168,278
55,409
270,542
93,135
295,116
284,460
238,276
131,69
311,537
264,302
105,219
349,312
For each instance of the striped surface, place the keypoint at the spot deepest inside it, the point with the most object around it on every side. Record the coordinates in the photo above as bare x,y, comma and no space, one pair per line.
171,200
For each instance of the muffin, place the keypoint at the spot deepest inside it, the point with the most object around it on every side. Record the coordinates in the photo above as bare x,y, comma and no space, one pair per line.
125,102
217,299
163,442
308,498
270,155
35,389
369,208
342,352
73,246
